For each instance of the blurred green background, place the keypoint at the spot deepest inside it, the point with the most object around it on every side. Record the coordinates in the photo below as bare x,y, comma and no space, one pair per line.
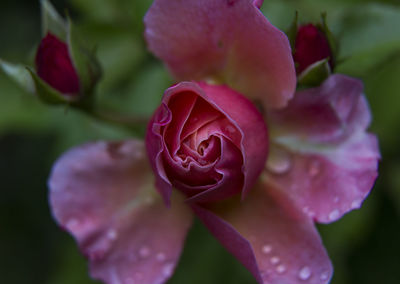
364,245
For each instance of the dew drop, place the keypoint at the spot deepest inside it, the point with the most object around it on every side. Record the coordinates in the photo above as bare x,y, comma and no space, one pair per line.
305,273
279,161
307,211
334,215
266,249
112,234
324,275
356,204
168,269
281,268
274,260
72,223
160,257
144,251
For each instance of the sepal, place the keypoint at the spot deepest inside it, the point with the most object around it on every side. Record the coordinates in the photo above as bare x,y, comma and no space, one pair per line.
19,74
315,74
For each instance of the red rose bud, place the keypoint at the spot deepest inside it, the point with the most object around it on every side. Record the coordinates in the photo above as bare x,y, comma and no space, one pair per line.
54,65
311,45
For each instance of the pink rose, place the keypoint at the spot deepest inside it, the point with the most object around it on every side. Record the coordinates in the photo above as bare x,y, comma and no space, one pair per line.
208,141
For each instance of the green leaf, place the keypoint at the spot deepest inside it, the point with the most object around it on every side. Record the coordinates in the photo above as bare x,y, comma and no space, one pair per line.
315,74
46,93
52,21
19,74
84,61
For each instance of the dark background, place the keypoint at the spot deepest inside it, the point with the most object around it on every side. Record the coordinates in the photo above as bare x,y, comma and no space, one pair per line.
364,245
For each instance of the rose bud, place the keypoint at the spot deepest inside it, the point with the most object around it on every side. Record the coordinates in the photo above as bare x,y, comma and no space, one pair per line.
208,141
311,45
54,66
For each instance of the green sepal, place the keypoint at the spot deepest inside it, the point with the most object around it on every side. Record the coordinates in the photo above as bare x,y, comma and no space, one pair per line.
85,62
292,31
48,94
315,74
333,43
52,21
19,74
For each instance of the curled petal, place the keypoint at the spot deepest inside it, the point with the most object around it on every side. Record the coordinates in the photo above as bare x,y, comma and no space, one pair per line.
326,114
230,41
322,155
270,237
102,193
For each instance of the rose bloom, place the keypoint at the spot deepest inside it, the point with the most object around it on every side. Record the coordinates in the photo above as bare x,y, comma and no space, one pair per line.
257,177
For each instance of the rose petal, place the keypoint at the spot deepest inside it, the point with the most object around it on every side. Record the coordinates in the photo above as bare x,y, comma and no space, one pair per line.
243,115
327,184
102,194
321,154
329,113
270,237
230,41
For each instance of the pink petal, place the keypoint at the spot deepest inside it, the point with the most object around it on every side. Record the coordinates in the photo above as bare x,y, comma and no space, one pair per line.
321,154
270,237
230,41
329,113
254,135
328,184
102,193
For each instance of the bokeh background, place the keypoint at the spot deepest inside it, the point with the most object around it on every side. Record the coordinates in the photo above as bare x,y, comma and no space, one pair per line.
364,245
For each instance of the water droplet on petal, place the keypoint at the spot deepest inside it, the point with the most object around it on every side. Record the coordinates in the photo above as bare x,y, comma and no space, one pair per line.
281,268
72,223
336,199
112,234
334,215
279,161
266,249
305,273
356,204
324,275
168,269
161,257
275,260
144,251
